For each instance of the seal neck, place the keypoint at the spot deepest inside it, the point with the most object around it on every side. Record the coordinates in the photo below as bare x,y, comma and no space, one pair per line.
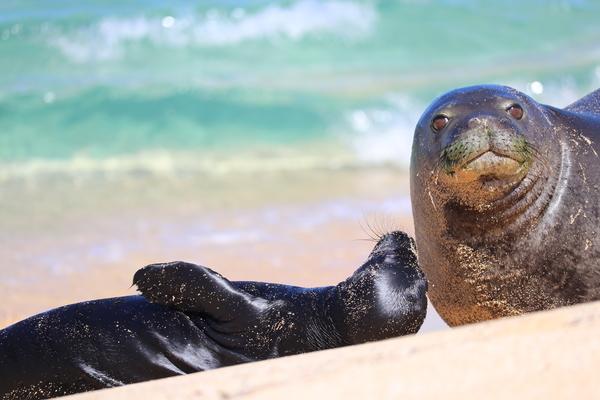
382,299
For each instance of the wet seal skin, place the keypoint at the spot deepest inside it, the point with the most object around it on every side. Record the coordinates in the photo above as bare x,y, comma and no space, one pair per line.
506,203
193,319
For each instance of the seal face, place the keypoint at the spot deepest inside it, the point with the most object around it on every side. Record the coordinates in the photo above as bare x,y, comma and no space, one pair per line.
193,319
494,178
485,147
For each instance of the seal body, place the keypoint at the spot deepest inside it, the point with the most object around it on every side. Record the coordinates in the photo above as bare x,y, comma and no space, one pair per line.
505,195
193,319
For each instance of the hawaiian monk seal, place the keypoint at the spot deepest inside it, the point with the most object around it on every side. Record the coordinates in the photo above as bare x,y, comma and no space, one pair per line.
198,320
505,195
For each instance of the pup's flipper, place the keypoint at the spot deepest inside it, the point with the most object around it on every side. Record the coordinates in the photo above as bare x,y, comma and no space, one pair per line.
194,288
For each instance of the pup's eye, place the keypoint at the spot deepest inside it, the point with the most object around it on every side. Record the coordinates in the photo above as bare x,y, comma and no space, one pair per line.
515,111
439,123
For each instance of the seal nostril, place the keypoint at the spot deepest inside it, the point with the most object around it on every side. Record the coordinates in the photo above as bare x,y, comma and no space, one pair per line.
474,122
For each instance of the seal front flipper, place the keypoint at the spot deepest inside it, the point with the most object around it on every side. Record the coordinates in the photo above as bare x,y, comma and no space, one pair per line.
194,288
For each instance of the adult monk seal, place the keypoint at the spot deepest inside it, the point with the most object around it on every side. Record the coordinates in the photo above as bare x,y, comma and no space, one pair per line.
198,320
505,195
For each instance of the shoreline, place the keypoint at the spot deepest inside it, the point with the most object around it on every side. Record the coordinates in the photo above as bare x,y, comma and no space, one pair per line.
72,241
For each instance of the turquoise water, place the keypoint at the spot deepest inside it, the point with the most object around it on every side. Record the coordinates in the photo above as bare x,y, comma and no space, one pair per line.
99,85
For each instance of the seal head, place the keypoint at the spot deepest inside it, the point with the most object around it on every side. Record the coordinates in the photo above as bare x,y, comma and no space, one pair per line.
504,193
480,143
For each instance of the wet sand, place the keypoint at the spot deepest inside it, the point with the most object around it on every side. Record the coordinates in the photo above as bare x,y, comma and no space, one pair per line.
67,240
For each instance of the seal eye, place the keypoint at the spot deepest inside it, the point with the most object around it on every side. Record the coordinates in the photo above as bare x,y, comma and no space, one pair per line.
515,111
439,122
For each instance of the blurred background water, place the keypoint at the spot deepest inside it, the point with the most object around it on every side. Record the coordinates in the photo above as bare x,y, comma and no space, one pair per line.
151,85
252,136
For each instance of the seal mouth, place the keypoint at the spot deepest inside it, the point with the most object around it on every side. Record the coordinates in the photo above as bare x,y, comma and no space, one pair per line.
395,244
392,241
490,163
480,173
484,157
489,169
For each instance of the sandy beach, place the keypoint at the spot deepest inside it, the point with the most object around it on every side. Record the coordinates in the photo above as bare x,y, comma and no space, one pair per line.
548,355
68,241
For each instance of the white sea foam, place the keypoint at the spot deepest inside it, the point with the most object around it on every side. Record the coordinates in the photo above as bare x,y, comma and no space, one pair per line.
556,93
384,135
107,39
172,164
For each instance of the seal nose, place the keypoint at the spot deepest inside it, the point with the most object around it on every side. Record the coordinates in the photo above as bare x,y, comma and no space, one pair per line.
393,242
395,239
478,122
487,122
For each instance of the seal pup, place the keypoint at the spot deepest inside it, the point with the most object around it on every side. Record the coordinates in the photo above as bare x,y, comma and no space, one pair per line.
193,319
506,203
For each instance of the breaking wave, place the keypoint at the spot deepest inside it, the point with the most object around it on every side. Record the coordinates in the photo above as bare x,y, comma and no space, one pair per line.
107,39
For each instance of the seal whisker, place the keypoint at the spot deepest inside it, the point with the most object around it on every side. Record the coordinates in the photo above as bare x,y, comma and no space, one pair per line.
368,232
377,235
381,225
370,239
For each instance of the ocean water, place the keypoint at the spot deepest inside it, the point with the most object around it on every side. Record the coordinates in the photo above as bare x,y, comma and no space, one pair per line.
125,86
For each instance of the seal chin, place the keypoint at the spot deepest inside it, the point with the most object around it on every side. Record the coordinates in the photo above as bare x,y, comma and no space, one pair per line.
484,177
